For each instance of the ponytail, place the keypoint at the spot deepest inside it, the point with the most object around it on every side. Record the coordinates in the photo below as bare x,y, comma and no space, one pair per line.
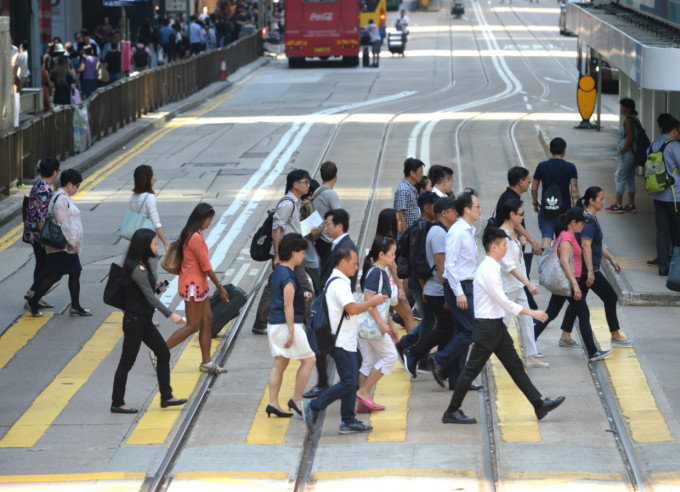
561,224
590,195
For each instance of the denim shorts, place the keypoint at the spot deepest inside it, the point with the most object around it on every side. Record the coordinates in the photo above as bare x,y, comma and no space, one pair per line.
547,225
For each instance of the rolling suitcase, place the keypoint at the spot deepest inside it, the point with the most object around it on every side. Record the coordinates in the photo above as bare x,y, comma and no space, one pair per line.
224,312
395,43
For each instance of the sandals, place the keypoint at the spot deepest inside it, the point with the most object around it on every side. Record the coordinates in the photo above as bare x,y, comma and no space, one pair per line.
368,405
212,369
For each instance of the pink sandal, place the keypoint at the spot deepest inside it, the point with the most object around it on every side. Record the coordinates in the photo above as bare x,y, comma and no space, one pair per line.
368,405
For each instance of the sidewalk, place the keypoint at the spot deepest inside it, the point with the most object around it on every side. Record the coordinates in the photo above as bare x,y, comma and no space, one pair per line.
10,206
631,238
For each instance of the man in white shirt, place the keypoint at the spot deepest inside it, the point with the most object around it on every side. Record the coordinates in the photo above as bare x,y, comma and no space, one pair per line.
459,271
491,335
343,309
442,180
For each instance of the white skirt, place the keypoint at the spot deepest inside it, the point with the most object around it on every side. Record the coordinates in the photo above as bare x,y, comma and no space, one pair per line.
278,334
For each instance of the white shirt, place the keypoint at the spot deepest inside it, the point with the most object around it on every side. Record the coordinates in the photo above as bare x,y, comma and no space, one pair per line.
438,192
337,240
490,300
148,210
461,255
339,295
513,259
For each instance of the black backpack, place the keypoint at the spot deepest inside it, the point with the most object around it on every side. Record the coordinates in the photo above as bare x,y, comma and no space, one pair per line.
141,57
319,334
552,201
403,248
261,244
640,144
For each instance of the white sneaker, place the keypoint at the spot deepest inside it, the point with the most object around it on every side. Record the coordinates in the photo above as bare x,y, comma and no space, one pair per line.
535,364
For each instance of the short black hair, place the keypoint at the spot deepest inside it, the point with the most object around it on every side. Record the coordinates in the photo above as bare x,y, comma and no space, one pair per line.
667,123
517,174
339,216
328,171
557,146
412,165
295,175
464,201
291,243
492,235
70,176
47,166
439,174
422,184
509,206
426,198
344,253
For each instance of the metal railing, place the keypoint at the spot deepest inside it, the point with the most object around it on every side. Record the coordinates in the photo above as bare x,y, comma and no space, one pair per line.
113,106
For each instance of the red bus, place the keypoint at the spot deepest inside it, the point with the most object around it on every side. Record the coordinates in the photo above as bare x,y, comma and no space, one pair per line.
322,29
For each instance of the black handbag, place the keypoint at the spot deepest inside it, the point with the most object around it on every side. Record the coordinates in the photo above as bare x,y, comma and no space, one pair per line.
114,292
50,234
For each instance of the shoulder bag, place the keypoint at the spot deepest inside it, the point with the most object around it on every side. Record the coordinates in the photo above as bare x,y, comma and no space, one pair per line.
132,221
368,328
51,234
551,274
172,263
114,292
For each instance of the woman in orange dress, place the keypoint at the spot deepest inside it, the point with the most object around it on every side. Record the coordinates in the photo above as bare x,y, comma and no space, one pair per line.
194,288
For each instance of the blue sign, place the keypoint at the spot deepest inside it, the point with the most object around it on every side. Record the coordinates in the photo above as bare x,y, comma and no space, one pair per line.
120,3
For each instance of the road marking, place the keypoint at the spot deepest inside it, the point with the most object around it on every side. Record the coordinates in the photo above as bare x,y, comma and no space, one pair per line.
72,477
633,262
30,427
17,336
393,391
241,273
229,477
156,424
542,478
273,430
517,419
393,472
644,419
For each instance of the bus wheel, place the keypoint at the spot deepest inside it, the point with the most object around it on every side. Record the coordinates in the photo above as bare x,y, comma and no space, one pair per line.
350,61
296,62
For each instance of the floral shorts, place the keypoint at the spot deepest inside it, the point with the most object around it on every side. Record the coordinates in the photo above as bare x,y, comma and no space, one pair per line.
192,290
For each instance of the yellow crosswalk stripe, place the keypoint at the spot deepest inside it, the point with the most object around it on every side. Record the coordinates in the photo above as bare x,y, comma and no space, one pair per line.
17,336
72,477
393,392
156,424
645,420
30,427
517,419
273,430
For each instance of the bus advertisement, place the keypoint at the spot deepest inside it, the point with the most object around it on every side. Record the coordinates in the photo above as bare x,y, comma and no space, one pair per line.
376,10
322,29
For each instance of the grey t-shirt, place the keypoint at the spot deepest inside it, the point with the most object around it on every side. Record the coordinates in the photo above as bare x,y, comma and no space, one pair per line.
326,201
141,278
434,243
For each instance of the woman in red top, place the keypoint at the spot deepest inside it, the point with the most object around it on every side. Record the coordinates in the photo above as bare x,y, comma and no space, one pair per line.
193,286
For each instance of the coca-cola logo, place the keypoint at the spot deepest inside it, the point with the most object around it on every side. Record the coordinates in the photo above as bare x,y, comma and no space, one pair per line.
326,16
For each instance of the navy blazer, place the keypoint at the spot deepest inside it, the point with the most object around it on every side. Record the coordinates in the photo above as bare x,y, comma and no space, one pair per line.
329,264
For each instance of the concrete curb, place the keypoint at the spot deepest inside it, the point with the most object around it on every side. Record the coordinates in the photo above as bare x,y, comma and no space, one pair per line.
623,288
113,143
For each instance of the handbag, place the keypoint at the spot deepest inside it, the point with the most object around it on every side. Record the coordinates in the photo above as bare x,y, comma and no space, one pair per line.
673,280
75,97
172,263
368,328
551,274
51,234
132,221
102,73
114,292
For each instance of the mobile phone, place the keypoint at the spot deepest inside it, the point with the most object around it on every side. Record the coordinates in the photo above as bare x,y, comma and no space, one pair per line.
160,288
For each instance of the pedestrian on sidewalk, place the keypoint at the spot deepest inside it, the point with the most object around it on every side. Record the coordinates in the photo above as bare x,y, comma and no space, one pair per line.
378,355
64,261
285,328
193,286
559,180
376,41
625,173
666,213
88,71
64,81
140,282
491,335
515,281
340,301
143,199
590,240
36,215
326,200
568,250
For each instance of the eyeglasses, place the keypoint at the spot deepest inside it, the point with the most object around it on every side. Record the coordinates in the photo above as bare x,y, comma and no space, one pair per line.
307,182
521,215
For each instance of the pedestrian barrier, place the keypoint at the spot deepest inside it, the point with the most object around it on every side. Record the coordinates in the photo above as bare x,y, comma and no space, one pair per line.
113,106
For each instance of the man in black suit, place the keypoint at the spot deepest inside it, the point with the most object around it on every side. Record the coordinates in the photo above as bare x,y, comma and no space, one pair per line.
336,227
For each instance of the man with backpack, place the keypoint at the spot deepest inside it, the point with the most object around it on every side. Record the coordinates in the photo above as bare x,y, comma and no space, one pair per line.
663,181
286,219
140,55
559,191
324,200
342,317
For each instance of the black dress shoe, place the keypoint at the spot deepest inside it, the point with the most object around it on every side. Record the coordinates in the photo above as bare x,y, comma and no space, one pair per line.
663,271
548,406
294,407
457,417
654,262
123,410
476,387
270,409
172,403
437,371
315,391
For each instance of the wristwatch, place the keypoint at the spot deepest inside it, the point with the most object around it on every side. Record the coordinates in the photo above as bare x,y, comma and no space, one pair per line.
535,204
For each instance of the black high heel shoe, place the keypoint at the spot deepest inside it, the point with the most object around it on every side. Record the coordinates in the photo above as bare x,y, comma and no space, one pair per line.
277,412
293,406
172,403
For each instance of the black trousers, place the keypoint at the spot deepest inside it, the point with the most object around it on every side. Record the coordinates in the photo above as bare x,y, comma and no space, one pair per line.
490,336
40,257
604,291
138,329
443,331
667,230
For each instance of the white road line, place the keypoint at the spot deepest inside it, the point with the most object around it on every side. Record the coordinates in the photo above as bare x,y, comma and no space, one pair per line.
241,273
556,81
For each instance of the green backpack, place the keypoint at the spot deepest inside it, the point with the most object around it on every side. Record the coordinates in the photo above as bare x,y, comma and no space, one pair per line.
657,178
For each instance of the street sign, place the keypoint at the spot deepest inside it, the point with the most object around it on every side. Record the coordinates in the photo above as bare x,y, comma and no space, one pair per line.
117,3
177,6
